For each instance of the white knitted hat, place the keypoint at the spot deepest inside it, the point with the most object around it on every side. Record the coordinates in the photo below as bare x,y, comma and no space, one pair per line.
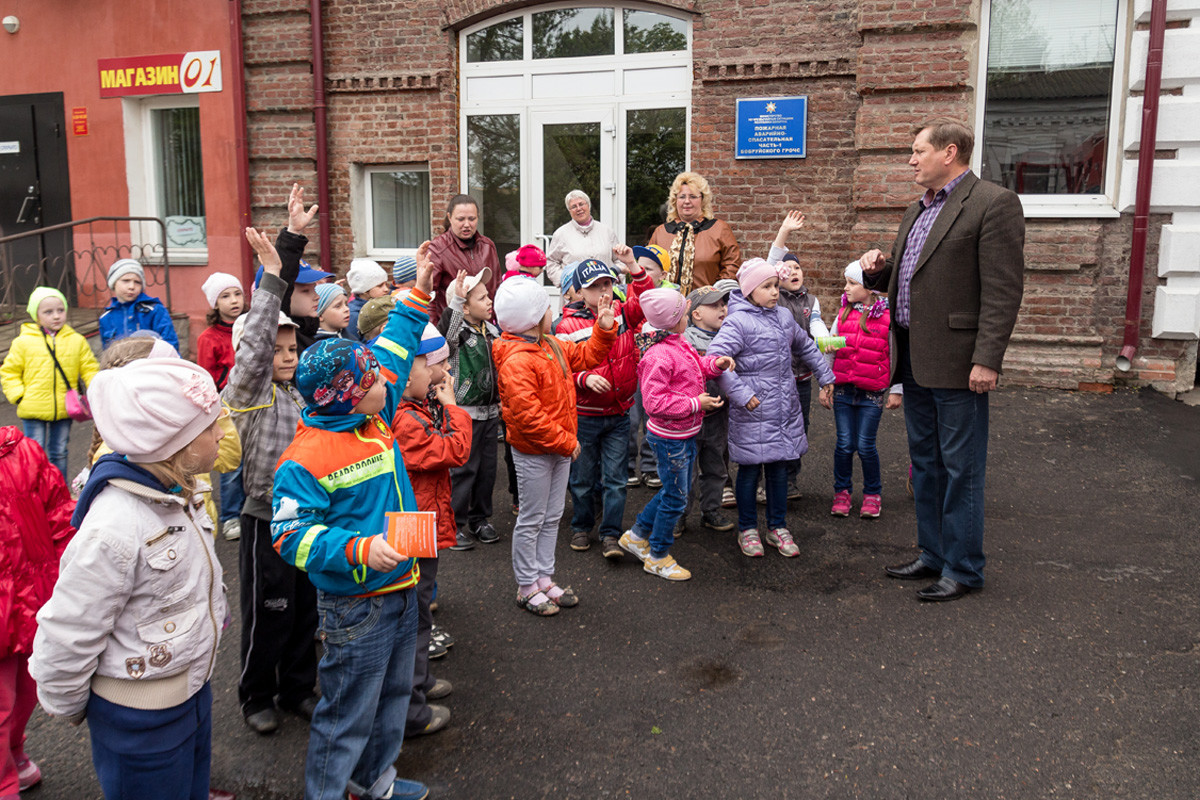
520,304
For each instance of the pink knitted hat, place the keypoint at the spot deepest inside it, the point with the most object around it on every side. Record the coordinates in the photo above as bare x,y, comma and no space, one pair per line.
150,409
663,308
755,273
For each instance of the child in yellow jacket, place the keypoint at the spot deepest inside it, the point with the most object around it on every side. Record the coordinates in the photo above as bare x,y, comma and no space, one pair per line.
45,360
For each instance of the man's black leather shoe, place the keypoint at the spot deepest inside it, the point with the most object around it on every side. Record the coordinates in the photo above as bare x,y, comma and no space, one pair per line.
915,570
943,589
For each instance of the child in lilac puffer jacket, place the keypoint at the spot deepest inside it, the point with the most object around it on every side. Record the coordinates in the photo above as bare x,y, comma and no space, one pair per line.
766,427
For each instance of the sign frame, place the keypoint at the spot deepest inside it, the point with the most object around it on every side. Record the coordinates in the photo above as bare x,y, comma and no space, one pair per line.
775,122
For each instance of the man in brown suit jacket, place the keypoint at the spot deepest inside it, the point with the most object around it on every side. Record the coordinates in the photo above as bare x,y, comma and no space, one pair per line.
955,279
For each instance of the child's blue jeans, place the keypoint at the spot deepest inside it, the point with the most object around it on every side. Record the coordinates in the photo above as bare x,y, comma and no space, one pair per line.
857,414
366,682
745,490
53,437
676,460
233,495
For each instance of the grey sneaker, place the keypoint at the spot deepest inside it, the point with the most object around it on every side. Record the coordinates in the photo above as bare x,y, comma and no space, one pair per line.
580,540
437,721
462,541
486,534
441,688
717,521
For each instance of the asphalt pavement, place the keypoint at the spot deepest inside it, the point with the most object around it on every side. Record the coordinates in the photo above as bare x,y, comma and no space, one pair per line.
1072,674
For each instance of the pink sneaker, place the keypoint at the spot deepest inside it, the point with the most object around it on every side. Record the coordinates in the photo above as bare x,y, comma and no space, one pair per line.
871,506
28,773
841,504
750,544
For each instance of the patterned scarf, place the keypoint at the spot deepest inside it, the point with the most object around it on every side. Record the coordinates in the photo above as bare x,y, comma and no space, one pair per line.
683,251
645,341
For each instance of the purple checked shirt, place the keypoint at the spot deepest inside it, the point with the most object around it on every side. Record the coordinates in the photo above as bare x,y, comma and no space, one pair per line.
915,244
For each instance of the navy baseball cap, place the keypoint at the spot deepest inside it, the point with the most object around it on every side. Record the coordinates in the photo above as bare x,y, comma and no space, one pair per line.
307,274
591,270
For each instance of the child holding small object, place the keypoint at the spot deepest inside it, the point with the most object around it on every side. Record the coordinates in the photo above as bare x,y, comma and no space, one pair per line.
862,369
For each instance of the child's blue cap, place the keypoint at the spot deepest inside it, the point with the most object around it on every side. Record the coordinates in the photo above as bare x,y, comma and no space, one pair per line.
307,274
404,270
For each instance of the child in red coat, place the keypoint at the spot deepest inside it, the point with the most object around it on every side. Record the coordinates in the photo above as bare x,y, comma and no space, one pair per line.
434,434
35,526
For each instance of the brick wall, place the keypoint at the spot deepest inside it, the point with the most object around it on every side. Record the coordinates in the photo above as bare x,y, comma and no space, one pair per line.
870,68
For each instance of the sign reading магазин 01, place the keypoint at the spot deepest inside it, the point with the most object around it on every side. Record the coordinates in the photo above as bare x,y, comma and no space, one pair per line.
772,127
172,73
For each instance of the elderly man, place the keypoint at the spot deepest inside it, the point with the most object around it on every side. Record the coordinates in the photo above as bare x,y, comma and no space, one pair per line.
580,239
955,278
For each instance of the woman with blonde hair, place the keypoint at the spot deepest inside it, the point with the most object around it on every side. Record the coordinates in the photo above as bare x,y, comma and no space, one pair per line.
703,249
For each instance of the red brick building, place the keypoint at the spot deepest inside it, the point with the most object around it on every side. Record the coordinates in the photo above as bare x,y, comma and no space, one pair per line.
517,101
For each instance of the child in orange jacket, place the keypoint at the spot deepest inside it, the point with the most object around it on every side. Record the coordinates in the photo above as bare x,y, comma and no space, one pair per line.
537,403
434,435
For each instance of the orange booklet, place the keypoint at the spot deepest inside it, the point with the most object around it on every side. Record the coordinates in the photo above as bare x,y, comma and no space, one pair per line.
413,533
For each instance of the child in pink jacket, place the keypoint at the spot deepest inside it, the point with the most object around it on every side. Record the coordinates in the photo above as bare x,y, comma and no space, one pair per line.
671,375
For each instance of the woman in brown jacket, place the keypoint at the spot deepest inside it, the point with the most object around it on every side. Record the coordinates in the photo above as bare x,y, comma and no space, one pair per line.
703,250
461,247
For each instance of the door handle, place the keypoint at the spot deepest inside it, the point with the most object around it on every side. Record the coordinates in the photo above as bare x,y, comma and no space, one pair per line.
27,206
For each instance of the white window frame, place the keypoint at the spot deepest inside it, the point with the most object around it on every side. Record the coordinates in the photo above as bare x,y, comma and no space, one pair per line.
528,68
1077,206
363,218
142,163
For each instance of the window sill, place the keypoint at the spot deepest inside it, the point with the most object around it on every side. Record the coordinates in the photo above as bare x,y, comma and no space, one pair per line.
181,258
1035,210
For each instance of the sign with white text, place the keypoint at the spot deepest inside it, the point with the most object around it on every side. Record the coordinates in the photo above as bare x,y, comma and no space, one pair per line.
772,127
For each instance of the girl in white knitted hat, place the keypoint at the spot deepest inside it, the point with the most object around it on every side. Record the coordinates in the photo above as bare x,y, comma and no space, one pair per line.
128,639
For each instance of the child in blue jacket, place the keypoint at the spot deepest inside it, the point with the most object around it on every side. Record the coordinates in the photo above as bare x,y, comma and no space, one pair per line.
333,487
131,309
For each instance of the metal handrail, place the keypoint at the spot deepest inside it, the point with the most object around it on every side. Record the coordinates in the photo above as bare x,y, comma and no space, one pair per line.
83,272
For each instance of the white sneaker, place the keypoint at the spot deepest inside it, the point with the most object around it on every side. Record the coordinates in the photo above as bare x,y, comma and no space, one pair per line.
638,548
781,539
232,529
666,567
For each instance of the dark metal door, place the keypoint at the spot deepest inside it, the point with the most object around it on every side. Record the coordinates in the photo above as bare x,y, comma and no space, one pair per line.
34,192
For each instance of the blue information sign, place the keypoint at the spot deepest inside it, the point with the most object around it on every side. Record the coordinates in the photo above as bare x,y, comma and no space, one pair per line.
772,127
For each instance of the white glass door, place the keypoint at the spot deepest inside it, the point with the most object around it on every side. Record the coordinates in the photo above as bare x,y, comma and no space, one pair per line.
571,149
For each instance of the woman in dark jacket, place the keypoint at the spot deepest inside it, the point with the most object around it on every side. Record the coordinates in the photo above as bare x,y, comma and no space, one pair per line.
461,247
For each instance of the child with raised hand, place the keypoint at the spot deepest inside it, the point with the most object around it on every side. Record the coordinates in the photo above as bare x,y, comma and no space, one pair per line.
278,602
129,637
862,370
214,352
131,309
466,324
366,280
333,312
47,359
604,396
806,308
35,526
333,491
537,401
435,437
766,428
672,376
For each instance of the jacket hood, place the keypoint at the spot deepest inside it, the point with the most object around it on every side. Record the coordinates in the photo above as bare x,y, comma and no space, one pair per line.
10,436
108,468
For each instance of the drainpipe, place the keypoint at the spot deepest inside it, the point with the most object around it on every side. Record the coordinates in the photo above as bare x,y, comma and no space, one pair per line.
1141,208
318,46
242,154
